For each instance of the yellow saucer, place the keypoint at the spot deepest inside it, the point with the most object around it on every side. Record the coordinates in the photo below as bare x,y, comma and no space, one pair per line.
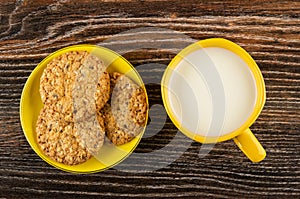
31,104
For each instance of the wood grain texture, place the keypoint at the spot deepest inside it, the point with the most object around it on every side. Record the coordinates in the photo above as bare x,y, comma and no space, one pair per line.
269,31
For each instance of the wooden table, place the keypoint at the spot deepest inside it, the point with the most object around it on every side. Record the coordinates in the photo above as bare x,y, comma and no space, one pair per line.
270,32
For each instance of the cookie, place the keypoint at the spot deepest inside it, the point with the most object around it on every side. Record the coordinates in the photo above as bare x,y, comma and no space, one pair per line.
128,98
68,142
60,75
58,139
125,116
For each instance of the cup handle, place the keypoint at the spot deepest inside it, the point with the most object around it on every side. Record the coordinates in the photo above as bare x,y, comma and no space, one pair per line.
250,146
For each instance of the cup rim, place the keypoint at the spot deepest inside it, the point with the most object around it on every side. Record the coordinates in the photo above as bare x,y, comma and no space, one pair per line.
128,147
238,50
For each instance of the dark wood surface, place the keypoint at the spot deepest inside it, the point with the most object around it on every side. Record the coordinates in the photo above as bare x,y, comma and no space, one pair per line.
269,31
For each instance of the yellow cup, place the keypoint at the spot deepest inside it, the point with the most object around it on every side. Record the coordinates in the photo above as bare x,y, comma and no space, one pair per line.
31,105
241,135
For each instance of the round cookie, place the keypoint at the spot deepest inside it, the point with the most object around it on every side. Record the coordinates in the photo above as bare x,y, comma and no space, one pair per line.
58,139
59,74
59,77
126,115
128,99
68,142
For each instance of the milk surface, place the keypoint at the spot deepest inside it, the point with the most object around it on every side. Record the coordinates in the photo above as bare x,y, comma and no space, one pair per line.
212,83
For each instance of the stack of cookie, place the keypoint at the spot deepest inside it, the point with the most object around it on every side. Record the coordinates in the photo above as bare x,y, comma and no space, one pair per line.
82,104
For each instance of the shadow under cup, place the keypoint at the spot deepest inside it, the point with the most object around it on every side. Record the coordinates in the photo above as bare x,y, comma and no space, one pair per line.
213,91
